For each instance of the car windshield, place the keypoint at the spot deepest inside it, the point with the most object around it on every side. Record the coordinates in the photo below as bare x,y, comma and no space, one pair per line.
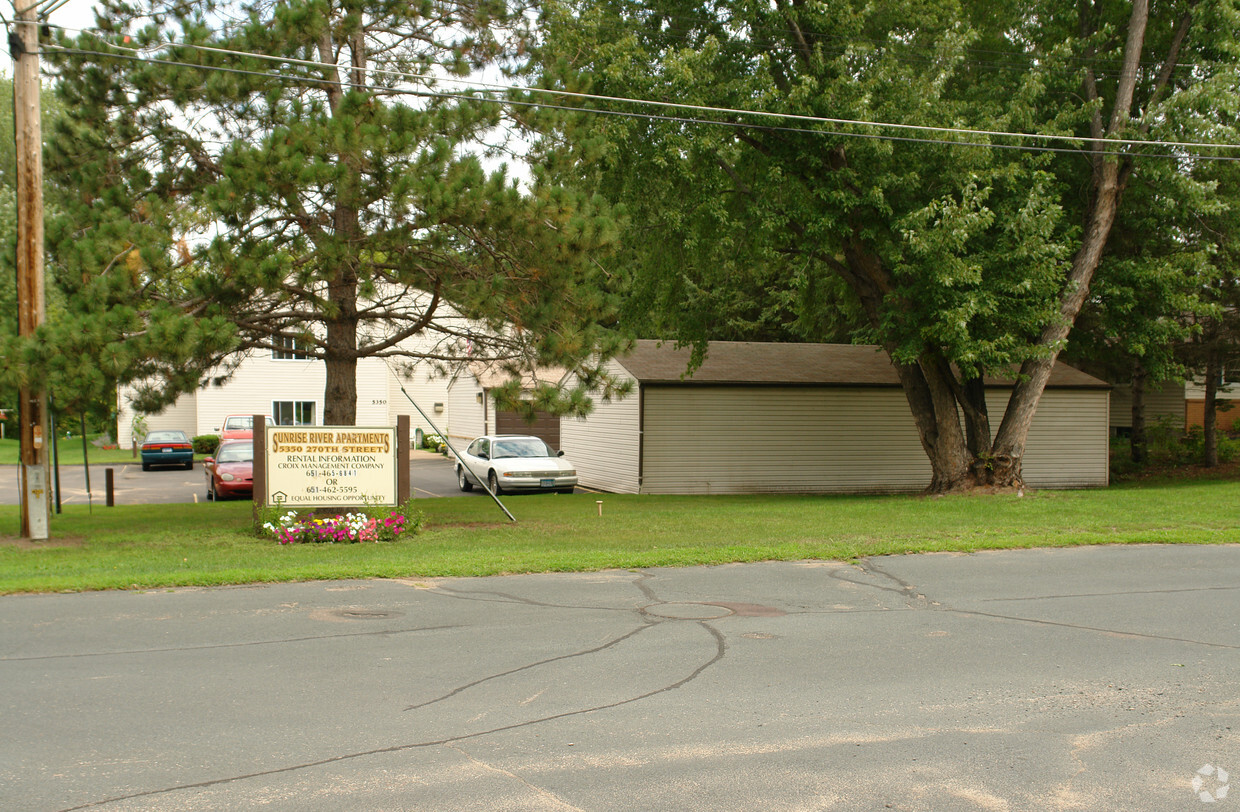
520,447
239,423
241,452
167,437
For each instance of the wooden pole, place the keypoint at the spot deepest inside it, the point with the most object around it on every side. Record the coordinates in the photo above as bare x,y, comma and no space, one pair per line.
402,459
32,400
260,467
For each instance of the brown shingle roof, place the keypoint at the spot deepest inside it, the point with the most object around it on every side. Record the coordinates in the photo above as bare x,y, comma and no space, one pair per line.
748,362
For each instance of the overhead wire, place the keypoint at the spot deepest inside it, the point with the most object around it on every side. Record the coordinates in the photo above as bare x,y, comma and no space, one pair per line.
140,54
654,116
46,7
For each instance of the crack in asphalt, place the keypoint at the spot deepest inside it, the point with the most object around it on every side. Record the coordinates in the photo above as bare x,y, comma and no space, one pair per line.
1080,627
504,597
1113,594
917,600
527,667
912,598
720,651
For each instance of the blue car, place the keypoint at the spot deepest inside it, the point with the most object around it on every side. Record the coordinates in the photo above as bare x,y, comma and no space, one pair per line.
167,448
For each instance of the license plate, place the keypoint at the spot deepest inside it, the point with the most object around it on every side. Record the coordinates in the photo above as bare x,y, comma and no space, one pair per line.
166,450
546,483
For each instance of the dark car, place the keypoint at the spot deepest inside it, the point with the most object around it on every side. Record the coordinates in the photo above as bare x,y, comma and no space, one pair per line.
231,471
167,448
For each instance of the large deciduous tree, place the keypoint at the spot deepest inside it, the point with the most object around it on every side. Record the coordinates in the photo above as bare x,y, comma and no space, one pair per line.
300,170
967,252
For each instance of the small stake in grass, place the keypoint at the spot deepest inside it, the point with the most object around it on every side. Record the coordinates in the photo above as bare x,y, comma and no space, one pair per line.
599,502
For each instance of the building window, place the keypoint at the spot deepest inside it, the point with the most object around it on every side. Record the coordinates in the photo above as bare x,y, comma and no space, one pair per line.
290,349
293,412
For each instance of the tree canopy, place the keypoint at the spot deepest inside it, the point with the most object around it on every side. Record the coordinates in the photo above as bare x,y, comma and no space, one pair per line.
948,172
264,175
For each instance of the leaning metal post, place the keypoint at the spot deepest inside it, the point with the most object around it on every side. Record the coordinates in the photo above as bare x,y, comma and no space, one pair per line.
448,442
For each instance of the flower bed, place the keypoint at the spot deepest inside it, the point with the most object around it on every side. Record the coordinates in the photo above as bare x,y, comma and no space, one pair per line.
346,528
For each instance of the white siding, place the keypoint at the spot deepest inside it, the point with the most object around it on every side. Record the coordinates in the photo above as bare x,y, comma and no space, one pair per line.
1168,402
841,440
426,389
739,439
1069,440
372,393
259,381
180,415
604,447
464,416
1230,390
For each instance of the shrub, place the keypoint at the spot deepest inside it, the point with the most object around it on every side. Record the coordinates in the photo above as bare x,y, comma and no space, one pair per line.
432,441
206,443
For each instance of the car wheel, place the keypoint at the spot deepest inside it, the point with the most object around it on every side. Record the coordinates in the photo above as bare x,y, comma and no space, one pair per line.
189,466
493,481
210,490
146,466
462,480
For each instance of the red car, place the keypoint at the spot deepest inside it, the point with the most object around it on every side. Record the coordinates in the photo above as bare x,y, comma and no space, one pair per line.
231,471
239,427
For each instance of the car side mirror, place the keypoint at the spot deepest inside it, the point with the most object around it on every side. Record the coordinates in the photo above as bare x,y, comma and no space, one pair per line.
484,456
559,453
210,460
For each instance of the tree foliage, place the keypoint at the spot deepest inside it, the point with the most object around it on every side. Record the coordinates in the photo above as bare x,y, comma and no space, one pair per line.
963,253
73,390
248,176
1213,351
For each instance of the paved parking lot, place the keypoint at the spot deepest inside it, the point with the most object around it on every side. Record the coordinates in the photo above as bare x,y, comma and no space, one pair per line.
1103,678
430,475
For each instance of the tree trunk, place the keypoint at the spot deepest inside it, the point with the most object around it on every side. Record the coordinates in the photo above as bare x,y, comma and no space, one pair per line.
340,356
977,418
1137,439
1109,178
937,417
1209,417
340,392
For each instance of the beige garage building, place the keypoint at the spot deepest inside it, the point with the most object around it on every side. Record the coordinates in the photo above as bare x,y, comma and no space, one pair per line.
803,418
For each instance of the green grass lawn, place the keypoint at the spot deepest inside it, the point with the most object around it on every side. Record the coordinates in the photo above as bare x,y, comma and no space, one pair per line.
210,544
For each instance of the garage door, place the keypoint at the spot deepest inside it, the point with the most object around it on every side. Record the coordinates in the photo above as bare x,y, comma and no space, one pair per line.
546,426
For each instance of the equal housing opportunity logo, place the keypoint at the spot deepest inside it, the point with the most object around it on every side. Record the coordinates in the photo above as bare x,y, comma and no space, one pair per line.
1210,784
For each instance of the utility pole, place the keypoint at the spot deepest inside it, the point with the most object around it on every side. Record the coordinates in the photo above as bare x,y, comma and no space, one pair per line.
32,399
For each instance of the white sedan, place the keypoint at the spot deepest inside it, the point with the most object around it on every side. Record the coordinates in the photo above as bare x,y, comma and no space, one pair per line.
514,462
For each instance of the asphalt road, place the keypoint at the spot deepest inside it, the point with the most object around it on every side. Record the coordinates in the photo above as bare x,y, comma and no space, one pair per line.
1103,678
430,475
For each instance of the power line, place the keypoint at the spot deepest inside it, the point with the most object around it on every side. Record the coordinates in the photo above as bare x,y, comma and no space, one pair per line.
1013,60
139,54
688,107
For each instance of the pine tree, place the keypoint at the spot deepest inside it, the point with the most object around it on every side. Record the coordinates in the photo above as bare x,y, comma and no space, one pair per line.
242,177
